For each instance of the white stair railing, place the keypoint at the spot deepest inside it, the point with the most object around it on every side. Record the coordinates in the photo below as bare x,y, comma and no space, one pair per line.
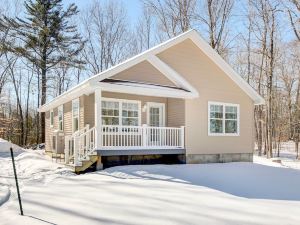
84,145
79,144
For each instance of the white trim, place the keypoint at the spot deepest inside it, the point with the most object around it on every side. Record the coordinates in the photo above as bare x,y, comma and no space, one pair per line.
171,74
223,119
120,101
156,104
60,108
86,86
51,118
98,117
224,66
147,91
73,102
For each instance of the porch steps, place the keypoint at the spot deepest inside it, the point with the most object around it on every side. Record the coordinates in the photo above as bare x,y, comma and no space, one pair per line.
85,164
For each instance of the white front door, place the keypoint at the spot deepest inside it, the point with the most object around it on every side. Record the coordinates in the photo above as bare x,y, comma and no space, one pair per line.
156,114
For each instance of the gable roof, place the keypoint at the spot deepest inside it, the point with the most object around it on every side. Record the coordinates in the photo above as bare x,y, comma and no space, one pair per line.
92,83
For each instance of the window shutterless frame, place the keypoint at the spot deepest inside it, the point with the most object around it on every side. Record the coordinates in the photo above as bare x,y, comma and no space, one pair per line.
223,120
60,110
51,118
120,101
74,103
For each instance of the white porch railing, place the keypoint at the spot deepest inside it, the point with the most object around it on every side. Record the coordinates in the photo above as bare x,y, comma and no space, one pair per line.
130,137
81,144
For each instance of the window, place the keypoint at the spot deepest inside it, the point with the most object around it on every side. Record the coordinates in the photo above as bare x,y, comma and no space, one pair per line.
130,114
60,115
120,112
223,119
75,114
51,118
110,113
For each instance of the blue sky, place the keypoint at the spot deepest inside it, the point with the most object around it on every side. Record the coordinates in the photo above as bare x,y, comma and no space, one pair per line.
133,7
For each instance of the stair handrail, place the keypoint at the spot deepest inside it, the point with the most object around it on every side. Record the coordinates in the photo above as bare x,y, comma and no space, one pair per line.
70,143
84,145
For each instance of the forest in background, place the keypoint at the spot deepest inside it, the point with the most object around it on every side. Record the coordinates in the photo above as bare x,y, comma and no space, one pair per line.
48,47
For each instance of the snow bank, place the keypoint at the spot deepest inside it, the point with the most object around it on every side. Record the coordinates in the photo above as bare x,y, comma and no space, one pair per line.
33,167
219,194
5,146
4,194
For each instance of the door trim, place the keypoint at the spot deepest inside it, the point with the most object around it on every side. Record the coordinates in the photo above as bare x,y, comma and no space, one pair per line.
156,104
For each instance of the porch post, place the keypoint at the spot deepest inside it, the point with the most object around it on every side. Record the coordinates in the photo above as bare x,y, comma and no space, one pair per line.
182,136
98,120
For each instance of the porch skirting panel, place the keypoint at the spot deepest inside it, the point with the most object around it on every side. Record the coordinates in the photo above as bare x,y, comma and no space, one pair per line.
219,158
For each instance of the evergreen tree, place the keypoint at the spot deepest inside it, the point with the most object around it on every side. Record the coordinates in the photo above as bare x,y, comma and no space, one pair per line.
46,38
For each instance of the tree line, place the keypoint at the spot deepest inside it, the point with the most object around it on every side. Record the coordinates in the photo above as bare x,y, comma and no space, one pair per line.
47,47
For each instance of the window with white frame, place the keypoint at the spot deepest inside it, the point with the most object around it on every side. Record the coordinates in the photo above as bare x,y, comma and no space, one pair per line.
75,114
130,114
51,118
223,119
60,115
120,112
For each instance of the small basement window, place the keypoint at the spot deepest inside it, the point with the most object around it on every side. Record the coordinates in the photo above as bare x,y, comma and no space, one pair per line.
223,119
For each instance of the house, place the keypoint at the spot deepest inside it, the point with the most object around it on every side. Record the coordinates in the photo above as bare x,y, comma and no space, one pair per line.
178,101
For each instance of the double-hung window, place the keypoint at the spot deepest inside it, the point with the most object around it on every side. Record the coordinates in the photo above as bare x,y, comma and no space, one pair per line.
130,114
75,114
120,112
60,115
223,119
51,118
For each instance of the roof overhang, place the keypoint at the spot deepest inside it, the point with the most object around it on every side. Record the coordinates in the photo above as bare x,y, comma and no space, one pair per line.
87,86
146,90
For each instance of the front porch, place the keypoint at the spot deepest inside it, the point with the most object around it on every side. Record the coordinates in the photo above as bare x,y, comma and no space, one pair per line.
120,124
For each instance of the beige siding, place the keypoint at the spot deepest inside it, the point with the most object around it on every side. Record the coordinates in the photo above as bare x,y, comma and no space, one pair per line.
89,110
143,99
144,72
68,118
176,112
67,108
81,112
213,85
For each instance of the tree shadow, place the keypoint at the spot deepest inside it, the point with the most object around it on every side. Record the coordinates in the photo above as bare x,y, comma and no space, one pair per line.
246,180
45,221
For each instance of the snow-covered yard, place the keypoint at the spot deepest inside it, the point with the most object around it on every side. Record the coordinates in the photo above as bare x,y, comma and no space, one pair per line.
231,193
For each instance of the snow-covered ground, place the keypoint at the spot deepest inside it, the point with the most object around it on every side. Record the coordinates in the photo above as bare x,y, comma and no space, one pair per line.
231,193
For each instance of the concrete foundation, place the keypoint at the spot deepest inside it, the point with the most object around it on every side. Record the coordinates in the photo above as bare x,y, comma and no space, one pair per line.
219,158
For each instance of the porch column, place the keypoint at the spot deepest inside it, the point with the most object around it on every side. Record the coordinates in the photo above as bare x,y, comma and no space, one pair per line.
98,121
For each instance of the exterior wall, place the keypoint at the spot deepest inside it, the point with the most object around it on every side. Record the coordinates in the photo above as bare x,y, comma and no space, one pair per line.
89,110
144,72
176,112
143,99
68,129
213,85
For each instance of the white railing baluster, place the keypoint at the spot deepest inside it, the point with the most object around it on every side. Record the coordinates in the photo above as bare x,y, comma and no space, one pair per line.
141,136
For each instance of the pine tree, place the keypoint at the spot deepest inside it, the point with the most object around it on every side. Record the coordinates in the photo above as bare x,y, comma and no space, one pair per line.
46,38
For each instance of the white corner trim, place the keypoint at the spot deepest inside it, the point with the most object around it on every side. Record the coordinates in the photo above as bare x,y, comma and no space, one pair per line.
171,74
223,119
219,61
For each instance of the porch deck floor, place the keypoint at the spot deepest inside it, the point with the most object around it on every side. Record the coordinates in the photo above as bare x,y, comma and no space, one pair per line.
114,152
